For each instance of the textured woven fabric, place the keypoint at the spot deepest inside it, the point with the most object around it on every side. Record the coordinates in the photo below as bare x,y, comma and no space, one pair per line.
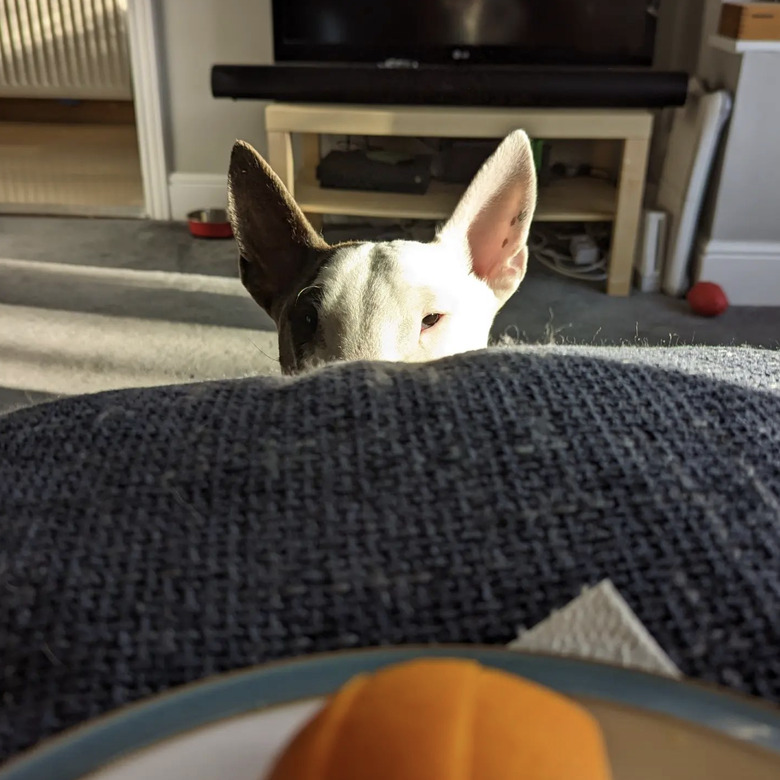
152,537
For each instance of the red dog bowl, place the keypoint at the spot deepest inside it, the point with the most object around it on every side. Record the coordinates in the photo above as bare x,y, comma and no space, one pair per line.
209,223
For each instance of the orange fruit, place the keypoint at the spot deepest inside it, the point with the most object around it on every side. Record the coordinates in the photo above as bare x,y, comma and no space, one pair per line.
445,720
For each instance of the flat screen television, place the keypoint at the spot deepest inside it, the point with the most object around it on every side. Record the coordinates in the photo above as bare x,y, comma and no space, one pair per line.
501,32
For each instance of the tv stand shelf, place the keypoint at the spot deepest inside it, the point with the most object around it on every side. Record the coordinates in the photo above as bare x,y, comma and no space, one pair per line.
576,200
571,200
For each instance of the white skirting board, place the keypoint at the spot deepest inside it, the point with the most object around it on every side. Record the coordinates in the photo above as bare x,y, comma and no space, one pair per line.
748,271
192,191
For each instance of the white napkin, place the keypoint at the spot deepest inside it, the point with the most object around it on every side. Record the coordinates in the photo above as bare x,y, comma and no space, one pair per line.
599,626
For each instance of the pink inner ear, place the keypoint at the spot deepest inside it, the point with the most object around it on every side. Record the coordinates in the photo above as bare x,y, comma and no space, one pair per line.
495,213
497,237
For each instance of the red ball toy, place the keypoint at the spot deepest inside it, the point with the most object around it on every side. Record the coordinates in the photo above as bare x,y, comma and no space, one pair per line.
707,299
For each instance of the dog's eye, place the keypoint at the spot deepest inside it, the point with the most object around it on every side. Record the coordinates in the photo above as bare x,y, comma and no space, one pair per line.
429,320
304,321
310,318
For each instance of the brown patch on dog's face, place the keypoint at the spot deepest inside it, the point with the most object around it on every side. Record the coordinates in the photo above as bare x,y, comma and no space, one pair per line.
280,252
298,319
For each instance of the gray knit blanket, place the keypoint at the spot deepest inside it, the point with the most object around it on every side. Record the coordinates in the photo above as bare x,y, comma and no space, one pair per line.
152,537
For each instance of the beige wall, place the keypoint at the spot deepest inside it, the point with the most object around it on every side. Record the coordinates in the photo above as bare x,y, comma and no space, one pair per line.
197,34
678,38
739,233
742,202
677,47
745,204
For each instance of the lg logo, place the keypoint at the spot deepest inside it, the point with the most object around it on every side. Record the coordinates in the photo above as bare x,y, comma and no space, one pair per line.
460,54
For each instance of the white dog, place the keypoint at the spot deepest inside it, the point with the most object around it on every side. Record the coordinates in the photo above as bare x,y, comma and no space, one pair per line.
393,300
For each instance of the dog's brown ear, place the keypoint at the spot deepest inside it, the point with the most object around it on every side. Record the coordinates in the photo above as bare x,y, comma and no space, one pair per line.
494,215
274,237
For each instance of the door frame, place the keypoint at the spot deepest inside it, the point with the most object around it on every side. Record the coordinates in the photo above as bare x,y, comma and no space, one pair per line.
146,63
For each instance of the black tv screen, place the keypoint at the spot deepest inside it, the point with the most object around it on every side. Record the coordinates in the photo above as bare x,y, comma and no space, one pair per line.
541,32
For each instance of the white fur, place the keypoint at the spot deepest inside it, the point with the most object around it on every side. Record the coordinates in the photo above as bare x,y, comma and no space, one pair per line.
375,297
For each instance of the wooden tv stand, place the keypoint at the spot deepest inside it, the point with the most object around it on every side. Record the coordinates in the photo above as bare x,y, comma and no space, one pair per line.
574,200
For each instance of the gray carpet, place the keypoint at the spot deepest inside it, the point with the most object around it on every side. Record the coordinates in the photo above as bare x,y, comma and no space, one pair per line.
95,304
153,537
547,305
89,305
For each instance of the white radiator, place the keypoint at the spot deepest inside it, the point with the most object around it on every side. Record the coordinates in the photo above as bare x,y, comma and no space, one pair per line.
64,49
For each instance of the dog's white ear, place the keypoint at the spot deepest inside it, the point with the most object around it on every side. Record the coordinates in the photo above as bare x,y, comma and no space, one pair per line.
494,216
275,239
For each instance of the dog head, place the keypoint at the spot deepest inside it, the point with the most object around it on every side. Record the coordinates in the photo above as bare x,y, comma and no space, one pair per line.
393,300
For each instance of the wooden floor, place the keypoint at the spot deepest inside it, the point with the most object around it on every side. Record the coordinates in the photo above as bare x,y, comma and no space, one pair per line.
59,168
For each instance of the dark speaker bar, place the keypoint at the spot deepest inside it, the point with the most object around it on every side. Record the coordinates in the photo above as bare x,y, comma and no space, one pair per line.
475,85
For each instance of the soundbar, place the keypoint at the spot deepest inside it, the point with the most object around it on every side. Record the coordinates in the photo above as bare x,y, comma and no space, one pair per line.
462,85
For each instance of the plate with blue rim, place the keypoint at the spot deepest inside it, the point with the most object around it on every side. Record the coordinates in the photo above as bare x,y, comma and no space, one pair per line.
232,726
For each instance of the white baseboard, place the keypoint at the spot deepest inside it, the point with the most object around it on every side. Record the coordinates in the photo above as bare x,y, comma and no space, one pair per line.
748,271
191,191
